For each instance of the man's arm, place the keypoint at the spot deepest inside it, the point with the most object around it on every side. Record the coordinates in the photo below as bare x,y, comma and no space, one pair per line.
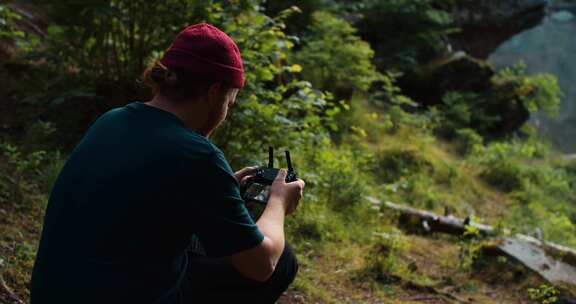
258,263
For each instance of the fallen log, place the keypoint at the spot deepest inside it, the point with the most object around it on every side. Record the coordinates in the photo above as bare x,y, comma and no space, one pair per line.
432,222
553,262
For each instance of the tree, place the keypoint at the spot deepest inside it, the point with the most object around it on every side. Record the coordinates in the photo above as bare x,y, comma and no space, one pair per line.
334,58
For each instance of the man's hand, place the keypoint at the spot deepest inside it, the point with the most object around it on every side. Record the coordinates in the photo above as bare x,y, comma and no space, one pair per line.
259,263
245,173
289,194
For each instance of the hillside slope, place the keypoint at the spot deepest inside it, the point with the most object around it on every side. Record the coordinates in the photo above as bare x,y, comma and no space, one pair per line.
348,253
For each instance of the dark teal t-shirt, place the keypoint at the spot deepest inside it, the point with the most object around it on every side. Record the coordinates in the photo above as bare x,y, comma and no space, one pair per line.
123,211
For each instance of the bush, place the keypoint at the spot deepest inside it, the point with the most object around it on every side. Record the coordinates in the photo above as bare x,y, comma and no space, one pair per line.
334,58
27,176
542,191
504,167
506,175
392,165
9,30
502,108
539,92
108,43
114,40
463,110
383,262
405,32
420,191
275,108
299,24
7,23
340,178
468,141
317,222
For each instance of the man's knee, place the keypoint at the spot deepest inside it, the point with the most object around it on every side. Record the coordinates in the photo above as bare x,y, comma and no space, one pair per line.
286,269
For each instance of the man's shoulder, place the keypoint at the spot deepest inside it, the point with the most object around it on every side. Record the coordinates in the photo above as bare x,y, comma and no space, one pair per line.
194,145
194,148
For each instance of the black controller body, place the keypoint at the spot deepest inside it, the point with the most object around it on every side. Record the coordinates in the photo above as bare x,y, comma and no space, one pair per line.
257,188
266,176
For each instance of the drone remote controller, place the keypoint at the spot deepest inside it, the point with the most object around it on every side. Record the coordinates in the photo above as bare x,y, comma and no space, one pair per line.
257,188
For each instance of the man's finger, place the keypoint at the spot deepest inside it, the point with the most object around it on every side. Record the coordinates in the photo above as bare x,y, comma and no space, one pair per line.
246,178
281,175
246,171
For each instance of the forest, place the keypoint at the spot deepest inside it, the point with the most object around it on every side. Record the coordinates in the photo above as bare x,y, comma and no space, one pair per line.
384,105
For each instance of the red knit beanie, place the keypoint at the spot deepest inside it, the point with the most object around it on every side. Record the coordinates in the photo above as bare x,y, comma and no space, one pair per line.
206,52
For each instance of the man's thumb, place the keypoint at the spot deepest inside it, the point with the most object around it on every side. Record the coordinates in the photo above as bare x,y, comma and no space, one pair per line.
281,175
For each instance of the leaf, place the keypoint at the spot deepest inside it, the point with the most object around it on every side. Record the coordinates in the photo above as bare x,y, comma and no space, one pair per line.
296,68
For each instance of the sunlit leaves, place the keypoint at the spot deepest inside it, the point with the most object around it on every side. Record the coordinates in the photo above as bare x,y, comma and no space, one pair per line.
334,58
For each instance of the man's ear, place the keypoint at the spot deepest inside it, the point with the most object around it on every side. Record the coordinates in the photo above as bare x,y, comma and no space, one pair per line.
215,92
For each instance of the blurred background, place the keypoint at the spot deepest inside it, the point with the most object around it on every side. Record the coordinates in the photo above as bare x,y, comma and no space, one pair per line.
466,109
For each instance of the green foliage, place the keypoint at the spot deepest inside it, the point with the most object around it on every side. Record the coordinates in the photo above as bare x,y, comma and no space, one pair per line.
339,178
40,135
7,19
468,141
503,164
383,146
9,30
405,32
469,249
421,191
317,222
506,175
276,108
334,58
105,46
393,165
500,109
543,192
462,110
544,294
111,39
298,24
383,262
27,175
539,92
29,164
393,103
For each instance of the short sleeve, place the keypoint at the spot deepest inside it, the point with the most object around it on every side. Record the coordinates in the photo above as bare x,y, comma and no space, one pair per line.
223,224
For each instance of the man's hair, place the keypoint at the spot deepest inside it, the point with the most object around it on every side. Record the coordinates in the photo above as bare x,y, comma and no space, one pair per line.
177,85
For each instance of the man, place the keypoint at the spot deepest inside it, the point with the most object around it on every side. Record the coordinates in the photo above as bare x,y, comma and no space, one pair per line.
145,185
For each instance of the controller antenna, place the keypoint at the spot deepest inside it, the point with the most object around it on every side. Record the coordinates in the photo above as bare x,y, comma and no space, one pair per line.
289,162
270,157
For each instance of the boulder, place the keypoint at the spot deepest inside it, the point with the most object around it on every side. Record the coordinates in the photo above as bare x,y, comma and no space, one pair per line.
485,24
457,72
462,73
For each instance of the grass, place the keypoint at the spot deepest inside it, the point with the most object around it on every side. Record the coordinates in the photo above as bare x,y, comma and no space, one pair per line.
351,251
434,174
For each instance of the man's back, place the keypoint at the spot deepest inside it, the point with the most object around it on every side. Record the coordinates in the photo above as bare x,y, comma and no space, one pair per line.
124,207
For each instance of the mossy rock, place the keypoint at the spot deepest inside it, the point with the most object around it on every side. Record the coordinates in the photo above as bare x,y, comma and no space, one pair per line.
457,72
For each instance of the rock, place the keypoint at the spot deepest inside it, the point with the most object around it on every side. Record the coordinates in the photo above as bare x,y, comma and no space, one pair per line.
508,105
485,24
563,5
458,72
462,73
562,16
